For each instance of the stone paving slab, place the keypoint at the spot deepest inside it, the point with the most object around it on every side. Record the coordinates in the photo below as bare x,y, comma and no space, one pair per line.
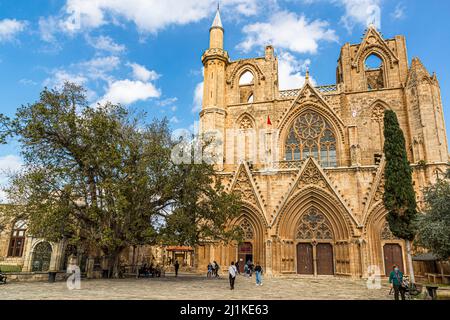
193,287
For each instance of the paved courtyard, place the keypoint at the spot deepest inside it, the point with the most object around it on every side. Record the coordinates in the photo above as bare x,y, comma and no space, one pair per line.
187,287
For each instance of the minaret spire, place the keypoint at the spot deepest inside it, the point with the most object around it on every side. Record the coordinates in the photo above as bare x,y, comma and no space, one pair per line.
217,23
216,32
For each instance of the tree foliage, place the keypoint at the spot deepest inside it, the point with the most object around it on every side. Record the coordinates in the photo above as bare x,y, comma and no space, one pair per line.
399,195
102,178
434,224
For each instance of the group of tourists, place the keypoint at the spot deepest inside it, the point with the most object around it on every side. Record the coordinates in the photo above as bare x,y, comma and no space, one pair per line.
148,271
213,270
233,271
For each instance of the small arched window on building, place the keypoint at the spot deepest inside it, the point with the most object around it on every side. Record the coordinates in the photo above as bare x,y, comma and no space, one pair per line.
374,72
246,87
311,136
17,240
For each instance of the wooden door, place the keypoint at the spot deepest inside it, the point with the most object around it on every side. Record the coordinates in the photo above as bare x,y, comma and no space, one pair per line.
325,265
245,253
393,256
305,258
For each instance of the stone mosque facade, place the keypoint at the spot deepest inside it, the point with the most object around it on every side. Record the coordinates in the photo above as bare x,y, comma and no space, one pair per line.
309,162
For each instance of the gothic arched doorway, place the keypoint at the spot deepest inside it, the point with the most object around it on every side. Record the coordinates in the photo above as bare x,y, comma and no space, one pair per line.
41,257
245,254
392,251
315,247
245,249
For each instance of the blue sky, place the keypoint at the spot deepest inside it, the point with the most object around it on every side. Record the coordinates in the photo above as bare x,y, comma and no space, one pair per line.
146,53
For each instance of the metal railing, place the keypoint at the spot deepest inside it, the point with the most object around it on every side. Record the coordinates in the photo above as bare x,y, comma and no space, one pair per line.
286,94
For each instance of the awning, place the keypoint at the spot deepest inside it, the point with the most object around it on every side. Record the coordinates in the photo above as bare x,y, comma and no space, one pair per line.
425,257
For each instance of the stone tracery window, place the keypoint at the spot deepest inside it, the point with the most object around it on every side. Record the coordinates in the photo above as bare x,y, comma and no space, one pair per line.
312,136
314,225
246,123
247,228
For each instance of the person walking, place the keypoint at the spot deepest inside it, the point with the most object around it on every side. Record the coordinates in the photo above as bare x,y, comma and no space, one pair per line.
396,281
177,266
258,274
210,270
250,268
216,269
232,275
237,267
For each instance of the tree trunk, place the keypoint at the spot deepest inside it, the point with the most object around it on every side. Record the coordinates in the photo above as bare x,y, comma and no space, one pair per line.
410,262
114,264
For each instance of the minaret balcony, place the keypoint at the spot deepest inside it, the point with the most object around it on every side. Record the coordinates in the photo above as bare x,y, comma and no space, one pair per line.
215,53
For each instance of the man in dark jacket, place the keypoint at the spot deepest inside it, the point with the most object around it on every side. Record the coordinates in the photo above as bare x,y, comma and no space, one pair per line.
177,266
396,281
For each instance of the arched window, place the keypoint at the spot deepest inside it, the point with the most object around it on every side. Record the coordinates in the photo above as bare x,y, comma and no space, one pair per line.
314,225
247,228
17,239
246,78
246,87
374,72
373,62
312,136
41,257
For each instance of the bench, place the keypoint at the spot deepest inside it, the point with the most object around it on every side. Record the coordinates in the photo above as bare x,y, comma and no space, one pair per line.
432,277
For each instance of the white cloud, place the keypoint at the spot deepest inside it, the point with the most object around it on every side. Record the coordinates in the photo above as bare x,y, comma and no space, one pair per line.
286,30
148,15
362,12
59,76
399,12
198,98
80,73
127,92
142,73
174,120
167,102
291,72
9,28
8,164
99,68
47,28
105,43
27,82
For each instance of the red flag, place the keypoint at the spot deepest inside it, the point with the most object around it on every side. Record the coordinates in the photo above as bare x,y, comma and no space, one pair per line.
268,121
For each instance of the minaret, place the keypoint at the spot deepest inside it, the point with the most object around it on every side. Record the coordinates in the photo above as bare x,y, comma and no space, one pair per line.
216,32
215,61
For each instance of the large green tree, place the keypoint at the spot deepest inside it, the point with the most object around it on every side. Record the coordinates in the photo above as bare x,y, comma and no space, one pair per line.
434,224
101,178
399,194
